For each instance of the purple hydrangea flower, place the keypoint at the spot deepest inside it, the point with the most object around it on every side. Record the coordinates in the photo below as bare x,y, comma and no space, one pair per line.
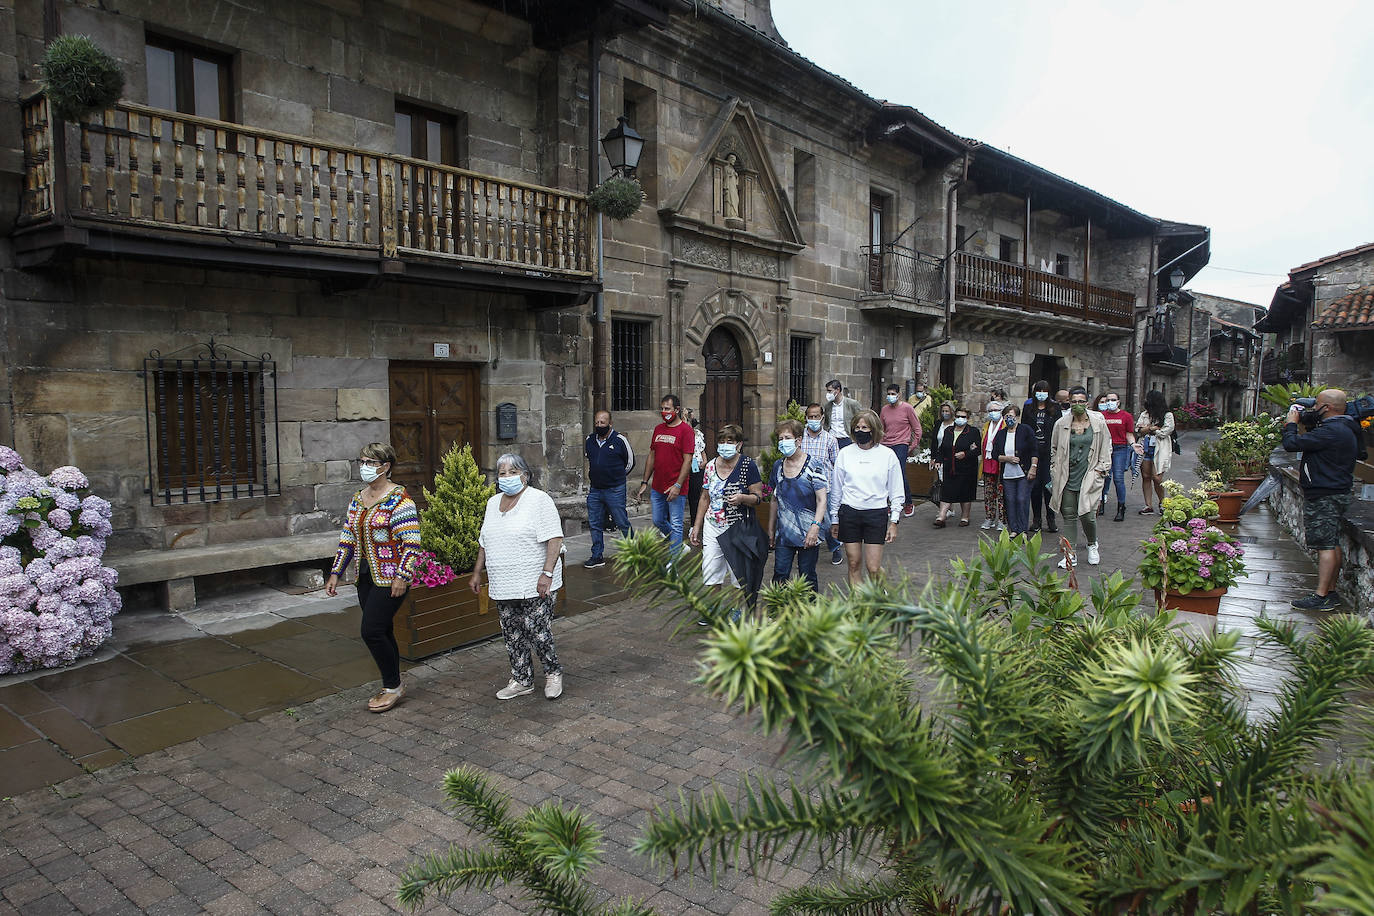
68,502
1205,572
1197,523
1179,546
44,537
97,505
9,525
60,519
10,460
68,478
1206,559
21,484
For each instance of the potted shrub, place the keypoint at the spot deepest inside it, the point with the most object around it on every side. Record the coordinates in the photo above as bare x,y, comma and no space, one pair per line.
1187,561
440,611
79,77
1218,469
1249,443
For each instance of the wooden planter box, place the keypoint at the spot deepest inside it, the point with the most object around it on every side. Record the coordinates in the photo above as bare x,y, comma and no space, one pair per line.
920,479
433,620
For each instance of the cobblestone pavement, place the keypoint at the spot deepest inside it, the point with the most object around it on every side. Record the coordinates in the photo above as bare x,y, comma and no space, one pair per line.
317,808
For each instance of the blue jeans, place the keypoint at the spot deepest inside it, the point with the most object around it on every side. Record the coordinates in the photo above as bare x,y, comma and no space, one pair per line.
783,555
668,517
1016,496
1121,463
600,500
902,450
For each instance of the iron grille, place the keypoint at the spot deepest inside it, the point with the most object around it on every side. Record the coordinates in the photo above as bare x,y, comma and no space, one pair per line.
629,373
212,425
799,372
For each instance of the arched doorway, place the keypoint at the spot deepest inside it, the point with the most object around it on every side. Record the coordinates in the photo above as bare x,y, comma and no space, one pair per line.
723,400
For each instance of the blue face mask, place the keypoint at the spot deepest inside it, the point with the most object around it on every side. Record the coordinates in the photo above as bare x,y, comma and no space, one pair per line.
1008,422
788,447
510,485
727,450
813,425
1042,396
994,415
892,399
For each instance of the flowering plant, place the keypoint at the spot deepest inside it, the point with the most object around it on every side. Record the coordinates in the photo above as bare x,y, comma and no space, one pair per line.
56,599
767,493
1184,552
431,573
923,457
1196,415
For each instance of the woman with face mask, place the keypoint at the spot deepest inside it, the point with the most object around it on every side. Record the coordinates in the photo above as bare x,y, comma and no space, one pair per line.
958,450
730,486
867,495
382,527
1080,460
520,554
994,510
1015,449
797,513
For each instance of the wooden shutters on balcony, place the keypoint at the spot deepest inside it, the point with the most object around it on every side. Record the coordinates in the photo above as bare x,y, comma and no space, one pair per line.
877,218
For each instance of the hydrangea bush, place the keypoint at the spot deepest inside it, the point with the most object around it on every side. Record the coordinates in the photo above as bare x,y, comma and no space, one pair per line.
1185,552
56,599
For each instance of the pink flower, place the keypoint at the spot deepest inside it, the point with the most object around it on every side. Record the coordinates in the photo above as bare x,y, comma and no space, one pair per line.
1179,546
1205,572
1206,559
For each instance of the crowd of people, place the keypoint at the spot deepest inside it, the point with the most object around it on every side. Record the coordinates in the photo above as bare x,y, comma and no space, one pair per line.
840,478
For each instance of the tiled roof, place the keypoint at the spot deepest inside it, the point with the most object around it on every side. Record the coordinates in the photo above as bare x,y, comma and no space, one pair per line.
1358,249
1233,325
1353,311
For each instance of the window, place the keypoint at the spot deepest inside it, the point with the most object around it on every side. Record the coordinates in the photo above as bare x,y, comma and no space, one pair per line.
1061,264
804,186
1006,249
877,223
799,371
960,237
210,434
640,107
422,133
952,372
629,364
189,79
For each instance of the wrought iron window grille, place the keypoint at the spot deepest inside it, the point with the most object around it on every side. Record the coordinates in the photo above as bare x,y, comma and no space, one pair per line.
211,414
799,371
629,365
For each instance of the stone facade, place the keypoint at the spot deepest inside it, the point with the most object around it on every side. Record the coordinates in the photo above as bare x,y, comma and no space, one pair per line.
1343,358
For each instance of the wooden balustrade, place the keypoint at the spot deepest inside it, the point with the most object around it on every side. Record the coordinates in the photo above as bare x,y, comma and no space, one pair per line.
990,280
234,180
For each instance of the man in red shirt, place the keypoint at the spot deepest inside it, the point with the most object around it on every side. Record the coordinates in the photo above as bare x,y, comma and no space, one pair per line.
1122,427
666,471
901,433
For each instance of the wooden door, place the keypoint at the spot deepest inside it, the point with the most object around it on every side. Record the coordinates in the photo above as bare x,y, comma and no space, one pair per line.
433,406
723,400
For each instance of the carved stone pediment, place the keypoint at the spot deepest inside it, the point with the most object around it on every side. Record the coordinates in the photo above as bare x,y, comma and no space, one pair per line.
728,211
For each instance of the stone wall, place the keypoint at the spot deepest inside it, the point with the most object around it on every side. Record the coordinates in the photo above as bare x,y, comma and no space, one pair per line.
77,341
1343,359
1357,534
994,361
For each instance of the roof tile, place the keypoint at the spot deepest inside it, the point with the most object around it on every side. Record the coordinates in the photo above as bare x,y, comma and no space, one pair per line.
1351,312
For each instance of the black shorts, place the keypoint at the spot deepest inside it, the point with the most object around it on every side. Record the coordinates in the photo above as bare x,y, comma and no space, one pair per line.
866,526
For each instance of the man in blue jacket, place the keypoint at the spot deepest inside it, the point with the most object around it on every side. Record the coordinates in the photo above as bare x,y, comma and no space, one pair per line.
1328,474
610,459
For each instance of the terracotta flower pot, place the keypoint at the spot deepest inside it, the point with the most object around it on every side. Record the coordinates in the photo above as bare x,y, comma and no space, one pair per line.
1247,486
1198,602
1228,506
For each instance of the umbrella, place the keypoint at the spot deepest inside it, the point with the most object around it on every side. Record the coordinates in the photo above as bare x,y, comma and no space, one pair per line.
1267,486
745,547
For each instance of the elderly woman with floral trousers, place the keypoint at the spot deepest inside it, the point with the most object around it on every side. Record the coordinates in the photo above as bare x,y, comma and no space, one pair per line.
383,524
520,553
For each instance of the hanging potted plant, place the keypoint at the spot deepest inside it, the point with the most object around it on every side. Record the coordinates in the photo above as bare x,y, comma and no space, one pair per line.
617,197
1187,561
79,77
440,611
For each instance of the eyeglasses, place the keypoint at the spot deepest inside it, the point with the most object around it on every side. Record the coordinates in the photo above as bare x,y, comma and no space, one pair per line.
370,463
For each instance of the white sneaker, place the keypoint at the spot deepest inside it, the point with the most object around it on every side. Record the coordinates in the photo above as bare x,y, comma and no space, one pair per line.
987,524
514,689
1070,559
1093,556
553,686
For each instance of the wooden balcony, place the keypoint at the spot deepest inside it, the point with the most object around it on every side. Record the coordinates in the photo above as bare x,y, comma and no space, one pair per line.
1222,371
142,182
1003,283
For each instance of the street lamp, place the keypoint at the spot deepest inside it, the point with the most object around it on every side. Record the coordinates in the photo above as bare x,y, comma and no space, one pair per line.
622,146
1177,278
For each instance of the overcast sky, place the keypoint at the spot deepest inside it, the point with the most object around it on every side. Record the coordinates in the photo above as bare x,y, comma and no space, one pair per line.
1256,119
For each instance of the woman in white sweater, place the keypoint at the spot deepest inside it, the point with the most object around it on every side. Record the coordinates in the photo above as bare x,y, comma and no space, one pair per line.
867,494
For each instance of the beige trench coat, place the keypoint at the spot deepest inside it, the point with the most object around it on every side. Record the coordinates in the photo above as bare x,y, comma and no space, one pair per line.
1099,460
1164,443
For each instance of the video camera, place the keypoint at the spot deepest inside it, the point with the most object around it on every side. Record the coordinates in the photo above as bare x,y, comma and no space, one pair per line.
1361,408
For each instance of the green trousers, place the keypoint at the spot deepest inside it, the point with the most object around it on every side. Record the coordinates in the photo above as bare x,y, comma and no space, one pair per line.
1068,509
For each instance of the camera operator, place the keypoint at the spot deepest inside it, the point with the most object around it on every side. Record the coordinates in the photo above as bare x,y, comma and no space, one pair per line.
1328,474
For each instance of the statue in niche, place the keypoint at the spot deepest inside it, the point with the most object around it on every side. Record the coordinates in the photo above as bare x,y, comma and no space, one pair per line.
730,186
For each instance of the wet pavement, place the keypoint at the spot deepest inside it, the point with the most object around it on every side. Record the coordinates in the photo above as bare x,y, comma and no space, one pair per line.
222,761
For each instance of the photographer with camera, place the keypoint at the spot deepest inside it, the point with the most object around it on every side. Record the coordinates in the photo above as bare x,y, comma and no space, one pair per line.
1329,451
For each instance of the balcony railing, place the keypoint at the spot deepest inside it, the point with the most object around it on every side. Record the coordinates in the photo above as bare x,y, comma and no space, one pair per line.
892,270
990,280
156,169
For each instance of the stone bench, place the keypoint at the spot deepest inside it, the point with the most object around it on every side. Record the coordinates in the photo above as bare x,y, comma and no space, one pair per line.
176,570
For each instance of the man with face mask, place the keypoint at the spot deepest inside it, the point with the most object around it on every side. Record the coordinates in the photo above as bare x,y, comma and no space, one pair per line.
1329,451
839,411
610,459
667,469
902,434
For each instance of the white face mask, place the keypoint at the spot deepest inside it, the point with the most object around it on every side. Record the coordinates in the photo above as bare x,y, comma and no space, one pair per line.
892,399
960,421
830,396
369,473
1109,406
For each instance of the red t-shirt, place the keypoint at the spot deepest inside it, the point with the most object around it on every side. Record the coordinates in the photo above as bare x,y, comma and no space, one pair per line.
671,445
1119,423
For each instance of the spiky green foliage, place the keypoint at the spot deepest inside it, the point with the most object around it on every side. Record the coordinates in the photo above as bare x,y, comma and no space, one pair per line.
548,851
995,744
452,518
79,77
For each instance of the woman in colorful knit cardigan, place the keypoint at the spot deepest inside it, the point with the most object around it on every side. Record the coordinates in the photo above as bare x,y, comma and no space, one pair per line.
384,525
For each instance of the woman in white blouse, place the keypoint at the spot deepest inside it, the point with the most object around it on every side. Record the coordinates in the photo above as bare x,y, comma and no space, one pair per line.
519,553
867,492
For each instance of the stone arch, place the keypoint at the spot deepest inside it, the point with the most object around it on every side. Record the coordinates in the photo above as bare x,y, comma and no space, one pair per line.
737,309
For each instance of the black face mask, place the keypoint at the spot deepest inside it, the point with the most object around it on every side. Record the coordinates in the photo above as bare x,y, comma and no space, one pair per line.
1310,417
602,432
863,436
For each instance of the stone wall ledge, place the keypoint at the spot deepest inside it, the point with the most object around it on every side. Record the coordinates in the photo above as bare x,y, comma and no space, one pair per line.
1357,532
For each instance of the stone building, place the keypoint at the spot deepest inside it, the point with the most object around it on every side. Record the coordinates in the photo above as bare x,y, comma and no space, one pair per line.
1322,322
309,226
